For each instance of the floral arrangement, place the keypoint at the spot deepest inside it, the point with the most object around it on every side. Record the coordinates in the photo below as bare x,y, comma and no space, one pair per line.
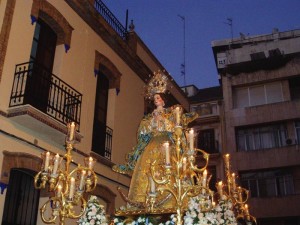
144,220
94,214
221,214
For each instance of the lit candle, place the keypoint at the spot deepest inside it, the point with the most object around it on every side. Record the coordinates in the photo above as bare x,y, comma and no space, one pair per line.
167,149
184,164
177,112
233,182
72,131
47,159
246,210
213,204
72,187
56,162
240,194
59,188
204,181
220,188
204,174
90,165
152,185
204,178
191,139
82,180
227,156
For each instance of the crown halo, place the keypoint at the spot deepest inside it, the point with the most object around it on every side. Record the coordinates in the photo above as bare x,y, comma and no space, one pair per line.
157,84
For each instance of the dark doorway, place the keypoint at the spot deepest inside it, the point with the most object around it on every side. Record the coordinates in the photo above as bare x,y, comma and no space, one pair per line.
22,199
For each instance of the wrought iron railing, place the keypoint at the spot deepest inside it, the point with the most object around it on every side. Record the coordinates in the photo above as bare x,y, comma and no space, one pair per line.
108,142
110,18
35,85
102,140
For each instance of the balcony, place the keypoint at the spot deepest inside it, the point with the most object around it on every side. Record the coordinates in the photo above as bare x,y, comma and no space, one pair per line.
279,111
275,207
268,158
208,112
109,17
41,101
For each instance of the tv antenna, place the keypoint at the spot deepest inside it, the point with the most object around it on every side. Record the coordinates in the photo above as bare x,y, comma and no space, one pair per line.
230,23
182,66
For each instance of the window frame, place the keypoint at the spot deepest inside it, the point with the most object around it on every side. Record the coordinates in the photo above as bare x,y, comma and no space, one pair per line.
297,131
248,90
252,138
269,183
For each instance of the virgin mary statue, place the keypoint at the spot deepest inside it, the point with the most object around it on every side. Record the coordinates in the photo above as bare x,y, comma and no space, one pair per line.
155,129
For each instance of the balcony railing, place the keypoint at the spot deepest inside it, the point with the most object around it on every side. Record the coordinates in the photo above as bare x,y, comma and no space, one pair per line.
36,86
110,19
108,143
102,140
206,109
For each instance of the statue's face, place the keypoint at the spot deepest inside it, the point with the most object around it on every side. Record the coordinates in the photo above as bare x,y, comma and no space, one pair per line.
158,101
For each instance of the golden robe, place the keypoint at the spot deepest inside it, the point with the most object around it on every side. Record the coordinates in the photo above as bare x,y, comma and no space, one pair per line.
152,133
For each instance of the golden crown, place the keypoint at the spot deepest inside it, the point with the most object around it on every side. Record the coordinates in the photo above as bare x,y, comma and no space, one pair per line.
157,84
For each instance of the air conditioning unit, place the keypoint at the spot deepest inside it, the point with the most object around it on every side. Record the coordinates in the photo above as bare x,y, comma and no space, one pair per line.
289,141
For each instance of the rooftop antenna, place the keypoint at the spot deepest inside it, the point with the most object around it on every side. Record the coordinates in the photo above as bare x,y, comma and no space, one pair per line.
182,66
126,21
229,22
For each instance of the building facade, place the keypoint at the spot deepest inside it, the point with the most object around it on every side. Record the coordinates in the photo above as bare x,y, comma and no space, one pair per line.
260,79
64,61
208,103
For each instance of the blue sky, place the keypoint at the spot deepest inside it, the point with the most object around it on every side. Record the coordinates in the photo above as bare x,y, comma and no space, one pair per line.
159,26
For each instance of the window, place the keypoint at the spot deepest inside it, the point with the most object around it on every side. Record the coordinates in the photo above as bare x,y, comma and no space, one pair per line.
257,56
294,85
279,182
261,137
42,54
206,141
99,142
297,127
257,95
274,93
241,98
22,199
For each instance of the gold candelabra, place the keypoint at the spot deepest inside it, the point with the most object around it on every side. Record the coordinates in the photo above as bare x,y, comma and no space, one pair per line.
66,187
236,194
185,180
179,179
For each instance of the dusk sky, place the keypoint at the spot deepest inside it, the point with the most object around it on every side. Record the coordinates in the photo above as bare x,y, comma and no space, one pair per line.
158,24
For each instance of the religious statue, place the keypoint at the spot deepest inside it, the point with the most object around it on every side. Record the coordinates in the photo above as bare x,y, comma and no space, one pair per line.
155,134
